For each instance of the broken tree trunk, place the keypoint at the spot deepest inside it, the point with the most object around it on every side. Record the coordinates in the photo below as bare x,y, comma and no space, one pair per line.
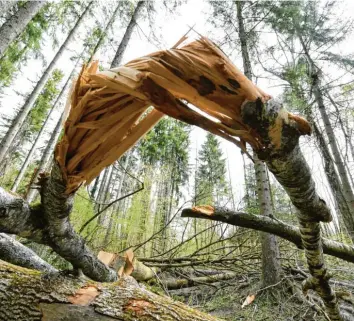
110,113
28,295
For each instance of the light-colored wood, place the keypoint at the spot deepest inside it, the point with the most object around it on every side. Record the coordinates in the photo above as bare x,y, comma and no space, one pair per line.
109,109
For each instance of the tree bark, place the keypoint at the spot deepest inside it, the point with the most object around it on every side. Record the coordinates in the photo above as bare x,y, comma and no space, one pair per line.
43,164
25,109
286,162
334,181
49,224
17,23
270,249
16,253
39,135
346,188
6,6
27,295
269,225
127,35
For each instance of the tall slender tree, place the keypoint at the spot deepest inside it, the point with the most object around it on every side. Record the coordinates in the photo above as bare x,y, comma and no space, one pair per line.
127,34
16,24
25,109
270,250
310,26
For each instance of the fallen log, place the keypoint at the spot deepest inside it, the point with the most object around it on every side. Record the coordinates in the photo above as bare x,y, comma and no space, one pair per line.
269,225
28,295
172,284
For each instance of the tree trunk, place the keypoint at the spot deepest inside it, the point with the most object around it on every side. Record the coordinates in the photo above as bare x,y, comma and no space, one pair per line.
173,284
127,35
39,135
334,182
344,130
25,109
17,23
103,188
119,194
6,6
28,295
47,154
270,249
346,188
264,224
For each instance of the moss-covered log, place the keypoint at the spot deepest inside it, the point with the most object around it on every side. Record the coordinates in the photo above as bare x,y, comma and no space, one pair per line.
28,295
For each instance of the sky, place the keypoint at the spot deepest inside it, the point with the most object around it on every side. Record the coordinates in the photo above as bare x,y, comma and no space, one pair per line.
169,29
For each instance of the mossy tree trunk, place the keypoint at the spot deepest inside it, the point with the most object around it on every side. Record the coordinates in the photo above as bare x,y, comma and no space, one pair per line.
28,295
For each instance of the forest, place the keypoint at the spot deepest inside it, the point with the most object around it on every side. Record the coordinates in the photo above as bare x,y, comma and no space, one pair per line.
176,160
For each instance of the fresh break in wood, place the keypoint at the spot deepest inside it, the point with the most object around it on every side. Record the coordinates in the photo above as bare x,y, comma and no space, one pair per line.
111,110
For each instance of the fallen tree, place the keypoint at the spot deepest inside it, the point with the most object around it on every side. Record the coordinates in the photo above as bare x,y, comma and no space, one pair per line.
27,295
109,112
269,225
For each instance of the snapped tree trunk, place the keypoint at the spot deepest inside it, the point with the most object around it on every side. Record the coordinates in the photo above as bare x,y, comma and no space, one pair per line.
25,109
270,249
28,295
17,23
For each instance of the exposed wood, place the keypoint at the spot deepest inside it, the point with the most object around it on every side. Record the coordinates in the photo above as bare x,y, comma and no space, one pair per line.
28,295
198,73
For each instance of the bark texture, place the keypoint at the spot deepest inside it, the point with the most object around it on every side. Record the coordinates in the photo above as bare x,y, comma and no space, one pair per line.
270,249
288,165
49,224
345,187
17,23
27,295
16,253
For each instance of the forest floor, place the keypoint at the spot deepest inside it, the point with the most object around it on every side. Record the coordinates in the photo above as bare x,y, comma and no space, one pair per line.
282,302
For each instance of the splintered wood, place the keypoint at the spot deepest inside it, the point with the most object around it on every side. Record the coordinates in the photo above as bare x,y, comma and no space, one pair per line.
111,110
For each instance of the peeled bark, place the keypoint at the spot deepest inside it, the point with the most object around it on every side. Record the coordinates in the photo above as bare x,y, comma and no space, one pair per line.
17,23
27,295
25,109
127,35
270,249
201,74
